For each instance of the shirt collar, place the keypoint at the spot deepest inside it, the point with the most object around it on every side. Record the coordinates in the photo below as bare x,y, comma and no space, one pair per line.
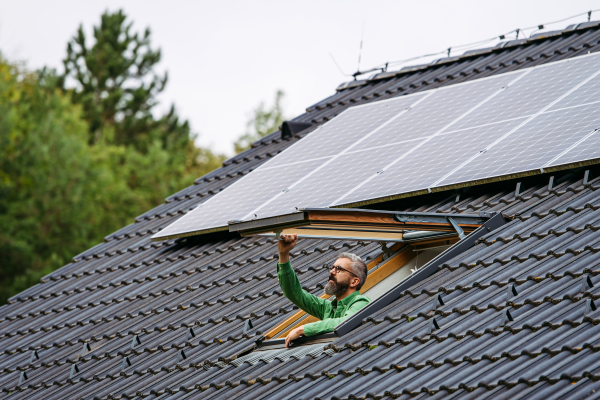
347,300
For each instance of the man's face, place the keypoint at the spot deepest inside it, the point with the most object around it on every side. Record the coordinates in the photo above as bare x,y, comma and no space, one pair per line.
339,282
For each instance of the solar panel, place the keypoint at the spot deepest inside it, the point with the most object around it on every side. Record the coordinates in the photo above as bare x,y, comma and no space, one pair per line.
498,126
440,152
344,131
529,148
443,110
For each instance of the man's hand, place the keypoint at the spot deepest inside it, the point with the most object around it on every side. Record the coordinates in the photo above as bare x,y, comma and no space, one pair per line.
286,244
293,335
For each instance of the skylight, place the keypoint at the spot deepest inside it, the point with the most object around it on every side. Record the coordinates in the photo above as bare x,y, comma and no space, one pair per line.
399,265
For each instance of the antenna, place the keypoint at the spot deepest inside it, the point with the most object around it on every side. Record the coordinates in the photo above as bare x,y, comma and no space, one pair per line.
358,71
362,35
338,66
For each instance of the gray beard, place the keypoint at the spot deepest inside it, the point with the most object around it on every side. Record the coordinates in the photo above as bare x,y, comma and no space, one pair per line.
335,289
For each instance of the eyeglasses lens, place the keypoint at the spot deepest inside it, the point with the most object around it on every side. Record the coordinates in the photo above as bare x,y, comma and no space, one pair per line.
335,268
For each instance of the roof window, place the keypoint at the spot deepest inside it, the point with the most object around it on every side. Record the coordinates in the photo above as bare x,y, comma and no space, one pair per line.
419,243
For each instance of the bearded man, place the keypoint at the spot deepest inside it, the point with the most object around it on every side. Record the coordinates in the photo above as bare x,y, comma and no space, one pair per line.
346,276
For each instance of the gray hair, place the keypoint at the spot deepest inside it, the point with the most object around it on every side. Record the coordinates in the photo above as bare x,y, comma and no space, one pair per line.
359,267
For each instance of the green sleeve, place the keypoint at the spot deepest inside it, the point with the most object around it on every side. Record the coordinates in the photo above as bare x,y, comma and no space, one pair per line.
328,325
290,285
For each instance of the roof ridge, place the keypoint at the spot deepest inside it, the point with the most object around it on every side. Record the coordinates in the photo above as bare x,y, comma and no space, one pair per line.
500,47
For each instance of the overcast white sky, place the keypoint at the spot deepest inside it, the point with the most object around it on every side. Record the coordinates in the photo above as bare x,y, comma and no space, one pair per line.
225,57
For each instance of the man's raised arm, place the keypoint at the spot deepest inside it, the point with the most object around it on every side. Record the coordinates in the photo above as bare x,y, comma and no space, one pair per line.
290,285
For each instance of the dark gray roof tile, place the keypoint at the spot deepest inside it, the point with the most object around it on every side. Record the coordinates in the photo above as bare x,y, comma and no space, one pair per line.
128,285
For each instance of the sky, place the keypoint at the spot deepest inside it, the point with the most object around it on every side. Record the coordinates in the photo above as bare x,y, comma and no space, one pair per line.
226,57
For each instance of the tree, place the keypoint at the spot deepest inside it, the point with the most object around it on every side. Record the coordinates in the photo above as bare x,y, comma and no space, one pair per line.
115,80
49,183
262,123
82,154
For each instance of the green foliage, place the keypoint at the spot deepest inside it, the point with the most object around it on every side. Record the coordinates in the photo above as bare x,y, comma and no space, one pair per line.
115,81
263,122
79,162
46,177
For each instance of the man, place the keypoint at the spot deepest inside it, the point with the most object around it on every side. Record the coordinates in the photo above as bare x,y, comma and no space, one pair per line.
346,276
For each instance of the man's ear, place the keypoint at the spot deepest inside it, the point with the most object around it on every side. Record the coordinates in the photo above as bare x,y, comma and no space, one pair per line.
354,282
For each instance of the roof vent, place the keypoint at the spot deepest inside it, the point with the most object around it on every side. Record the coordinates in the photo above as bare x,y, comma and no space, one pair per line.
290,128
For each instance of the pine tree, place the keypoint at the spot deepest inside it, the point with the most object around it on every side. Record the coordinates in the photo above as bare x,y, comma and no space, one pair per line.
115,81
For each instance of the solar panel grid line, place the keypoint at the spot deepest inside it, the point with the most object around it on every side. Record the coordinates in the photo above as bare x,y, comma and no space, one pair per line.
365,137
585,152
548,135
485,125
212,215
218,211
453,122
517,118
571,107
295,163
533,168
363,150
546,82
368,149
415,173
264,167
442,107
476,155
570,148
320,190
269,163
518,146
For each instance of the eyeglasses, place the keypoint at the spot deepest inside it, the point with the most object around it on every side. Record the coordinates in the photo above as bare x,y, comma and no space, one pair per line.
337,269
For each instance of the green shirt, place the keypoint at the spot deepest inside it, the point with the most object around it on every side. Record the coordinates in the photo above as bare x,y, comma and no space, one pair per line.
331,313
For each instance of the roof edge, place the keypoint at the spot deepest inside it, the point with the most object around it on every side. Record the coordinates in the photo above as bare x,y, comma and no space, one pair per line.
188,234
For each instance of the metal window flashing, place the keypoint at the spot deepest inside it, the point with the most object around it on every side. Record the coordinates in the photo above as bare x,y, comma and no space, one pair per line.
361,224
284,354
301,341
